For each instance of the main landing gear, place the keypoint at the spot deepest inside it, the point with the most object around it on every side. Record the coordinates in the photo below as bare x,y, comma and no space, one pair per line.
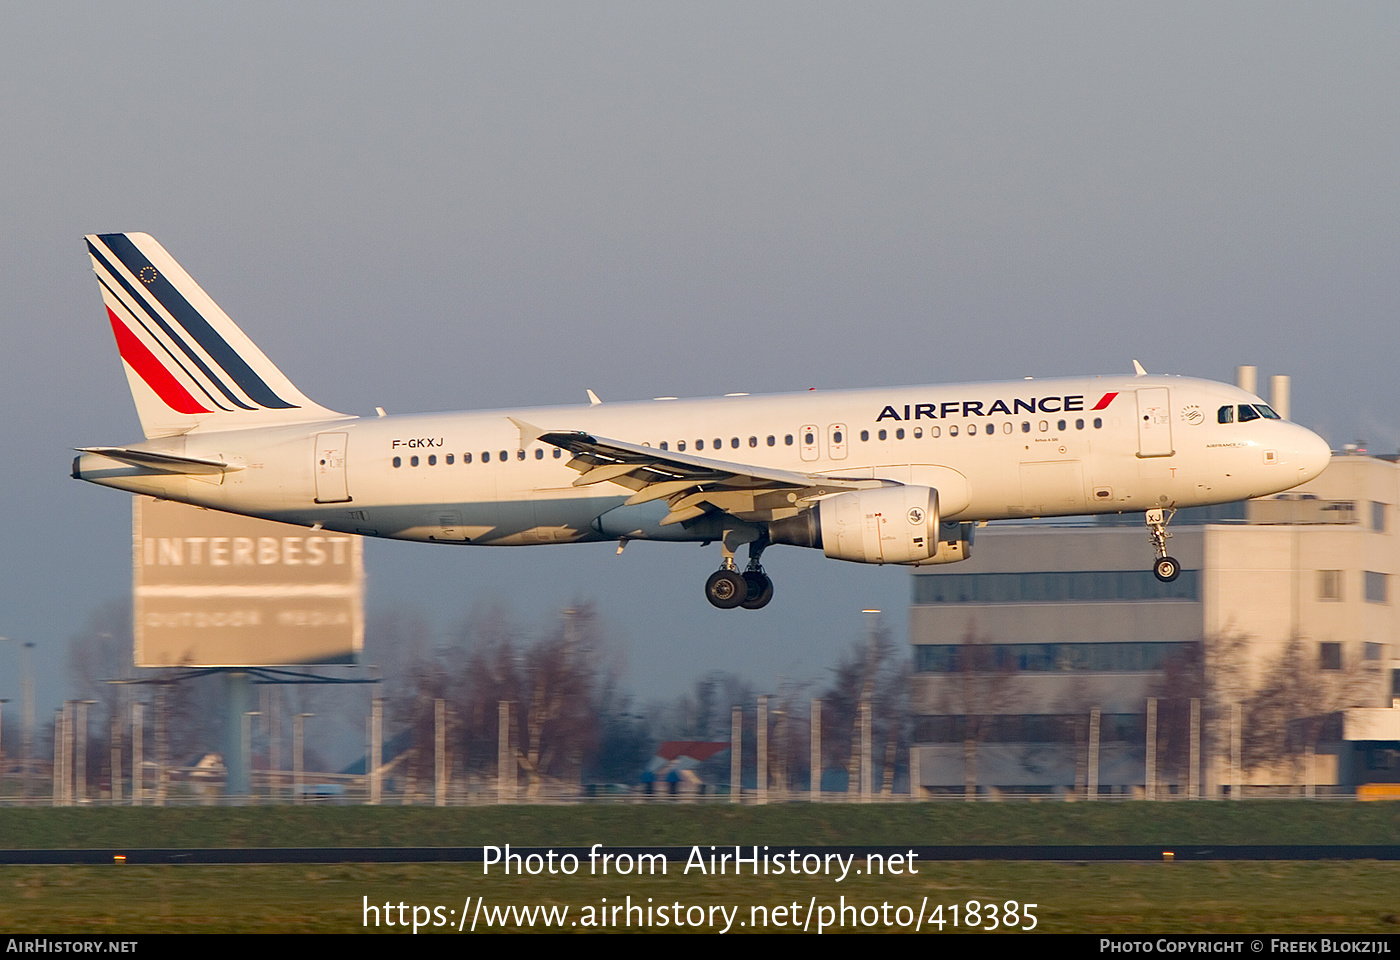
1165,568
727,588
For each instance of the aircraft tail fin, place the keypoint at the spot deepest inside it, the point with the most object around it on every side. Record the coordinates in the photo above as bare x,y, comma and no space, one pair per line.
190,367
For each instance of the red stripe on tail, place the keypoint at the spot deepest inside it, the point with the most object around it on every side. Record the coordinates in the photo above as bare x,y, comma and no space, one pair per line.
151,370
1104,401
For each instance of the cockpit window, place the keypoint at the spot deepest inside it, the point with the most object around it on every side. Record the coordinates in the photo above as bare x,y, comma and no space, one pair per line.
1248,413
1267,411
1226,414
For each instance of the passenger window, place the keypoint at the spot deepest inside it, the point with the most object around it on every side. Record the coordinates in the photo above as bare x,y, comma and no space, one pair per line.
680,445
1044,426
413,461
809,438
1226,414
953,430
1098,423
504,456
753,441
719,444
787,441
864,435
663,445
934,431
899,434
972,429
520,454
557,453
918,432
991,429
1060,426
398,461
539,452
699,444
883,435
432,459
1079,424
1006,428
772,440
734,442
1025,426
449,459
836,437
466,458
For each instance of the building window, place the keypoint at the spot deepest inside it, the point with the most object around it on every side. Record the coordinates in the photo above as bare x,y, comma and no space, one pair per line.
1377,587
1378,517
1373,651
1113,657
1331,656
1027,728
1083,586
1329,584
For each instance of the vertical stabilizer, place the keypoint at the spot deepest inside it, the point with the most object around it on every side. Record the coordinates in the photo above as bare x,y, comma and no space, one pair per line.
189,366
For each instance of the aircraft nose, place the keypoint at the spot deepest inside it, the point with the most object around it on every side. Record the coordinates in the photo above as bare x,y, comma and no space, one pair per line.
1313,454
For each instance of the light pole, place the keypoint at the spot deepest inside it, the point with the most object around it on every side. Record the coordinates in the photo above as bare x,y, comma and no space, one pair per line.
298,738
867,762
80,750
27,711
247,746
2,747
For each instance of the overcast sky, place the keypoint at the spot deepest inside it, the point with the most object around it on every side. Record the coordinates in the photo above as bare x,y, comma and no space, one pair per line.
436,206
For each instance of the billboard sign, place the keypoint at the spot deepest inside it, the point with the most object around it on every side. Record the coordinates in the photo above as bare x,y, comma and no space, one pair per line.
214,589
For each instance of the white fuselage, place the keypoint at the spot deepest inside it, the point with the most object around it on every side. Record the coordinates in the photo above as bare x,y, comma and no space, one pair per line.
1022,448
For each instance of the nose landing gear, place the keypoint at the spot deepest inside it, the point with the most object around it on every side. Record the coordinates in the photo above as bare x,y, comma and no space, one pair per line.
1165,569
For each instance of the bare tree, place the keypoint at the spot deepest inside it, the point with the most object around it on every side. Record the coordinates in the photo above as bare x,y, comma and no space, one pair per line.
873,671
1293,706
558,682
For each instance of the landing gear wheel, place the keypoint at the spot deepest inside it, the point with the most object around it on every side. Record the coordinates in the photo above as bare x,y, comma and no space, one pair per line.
726,589
1166,569
760,589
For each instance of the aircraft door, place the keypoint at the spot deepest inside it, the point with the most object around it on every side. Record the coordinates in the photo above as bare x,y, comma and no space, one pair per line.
836,441
330,468
1154,422
807,438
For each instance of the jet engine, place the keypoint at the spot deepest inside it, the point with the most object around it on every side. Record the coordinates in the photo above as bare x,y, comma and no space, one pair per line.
897,524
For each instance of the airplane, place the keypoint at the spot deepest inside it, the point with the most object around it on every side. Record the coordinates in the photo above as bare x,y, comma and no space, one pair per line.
892,475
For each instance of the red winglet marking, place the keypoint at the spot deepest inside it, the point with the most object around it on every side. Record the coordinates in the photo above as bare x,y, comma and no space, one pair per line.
152,371
1104,401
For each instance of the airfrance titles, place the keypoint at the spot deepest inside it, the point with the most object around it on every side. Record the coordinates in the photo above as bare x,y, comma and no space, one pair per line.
966,409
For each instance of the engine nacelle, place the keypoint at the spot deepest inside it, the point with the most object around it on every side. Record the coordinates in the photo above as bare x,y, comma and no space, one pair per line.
883,525
954,544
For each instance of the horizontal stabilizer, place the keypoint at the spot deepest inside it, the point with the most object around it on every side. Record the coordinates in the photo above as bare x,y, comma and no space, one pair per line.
168,462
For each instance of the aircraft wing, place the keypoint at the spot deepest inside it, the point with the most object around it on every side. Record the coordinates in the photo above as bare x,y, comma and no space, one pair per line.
695,485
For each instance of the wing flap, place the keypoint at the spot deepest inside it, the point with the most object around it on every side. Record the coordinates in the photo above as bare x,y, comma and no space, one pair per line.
693,485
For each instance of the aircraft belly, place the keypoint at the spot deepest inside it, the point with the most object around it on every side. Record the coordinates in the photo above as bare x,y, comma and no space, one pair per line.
546,516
